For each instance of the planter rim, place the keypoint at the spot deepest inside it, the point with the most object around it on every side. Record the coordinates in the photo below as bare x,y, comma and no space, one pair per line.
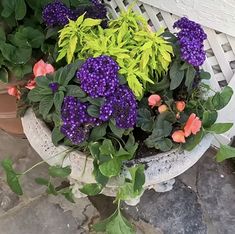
158,168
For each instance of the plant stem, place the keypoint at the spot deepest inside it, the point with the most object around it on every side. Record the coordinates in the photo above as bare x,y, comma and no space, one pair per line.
35,165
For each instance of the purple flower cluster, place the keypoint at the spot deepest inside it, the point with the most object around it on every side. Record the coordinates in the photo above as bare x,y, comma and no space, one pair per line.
121,106
98,76
54,86
191,37
57,14
76,121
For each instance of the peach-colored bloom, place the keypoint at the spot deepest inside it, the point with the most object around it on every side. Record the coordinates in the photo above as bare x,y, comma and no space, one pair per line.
180,105
14,91
162,108
178,136
192,126
154,100
31,84
41,68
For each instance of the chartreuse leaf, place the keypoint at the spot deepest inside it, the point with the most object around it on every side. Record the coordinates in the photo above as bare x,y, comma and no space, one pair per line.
220,100
219,128
12,177
91,189
115,224
57,171
225,152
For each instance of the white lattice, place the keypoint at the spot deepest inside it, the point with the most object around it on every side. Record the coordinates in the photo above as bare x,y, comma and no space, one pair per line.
220,48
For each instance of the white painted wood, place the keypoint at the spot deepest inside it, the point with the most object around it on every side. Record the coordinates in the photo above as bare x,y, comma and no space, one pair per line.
216,14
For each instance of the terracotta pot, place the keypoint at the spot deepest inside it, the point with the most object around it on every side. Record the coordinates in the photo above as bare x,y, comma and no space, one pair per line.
9,122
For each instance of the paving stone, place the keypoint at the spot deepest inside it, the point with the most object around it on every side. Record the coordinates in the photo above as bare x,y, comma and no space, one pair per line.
41,217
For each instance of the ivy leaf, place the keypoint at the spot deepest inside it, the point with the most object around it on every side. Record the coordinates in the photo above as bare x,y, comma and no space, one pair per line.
91,189
225,152
131,146
116,130
56,136
219,128
138,177
12,177
107,148
111,168
99,177
176,75
115,224
42,181
67,193
57,171
220,100
98,132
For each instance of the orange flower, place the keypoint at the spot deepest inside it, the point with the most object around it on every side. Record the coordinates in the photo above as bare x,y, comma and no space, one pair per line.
178,136
13,91
162,108
31,84
154,100
192,125
180,105
41,68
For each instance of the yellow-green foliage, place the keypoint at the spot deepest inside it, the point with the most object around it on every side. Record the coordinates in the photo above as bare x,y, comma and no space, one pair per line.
138,51
71,36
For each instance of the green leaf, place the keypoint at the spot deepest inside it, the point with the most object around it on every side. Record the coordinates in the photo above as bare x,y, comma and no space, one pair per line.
12,177
98,132
220,100
45,105
67,193
219,128
42,181
190,75
3,75
145,120
20,9
75,91
88,22
57,171
107,148
164,144
209,118
93,111
131,146
138,177
96,101
115,224
42,81
56,136
116,130
94,149
111,168
51,189
58,100
225,152
193,141
176,75
205,75
35,95
99,177
91,189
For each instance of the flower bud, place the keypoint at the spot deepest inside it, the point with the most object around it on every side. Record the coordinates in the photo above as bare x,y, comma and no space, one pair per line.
180,105
162,108
154,100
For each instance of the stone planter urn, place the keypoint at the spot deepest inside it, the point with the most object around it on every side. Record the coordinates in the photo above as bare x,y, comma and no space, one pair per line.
161,169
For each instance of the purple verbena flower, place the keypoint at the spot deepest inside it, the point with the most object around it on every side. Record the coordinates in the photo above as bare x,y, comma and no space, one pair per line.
57,14
99,76
54,86
191,37
122,106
